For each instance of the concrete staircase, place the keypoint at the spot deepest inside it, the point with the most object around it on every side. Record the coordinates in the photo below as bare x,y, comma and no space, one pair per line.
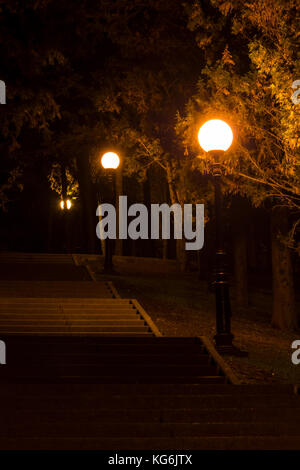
88,370
135,393
73,316
113,359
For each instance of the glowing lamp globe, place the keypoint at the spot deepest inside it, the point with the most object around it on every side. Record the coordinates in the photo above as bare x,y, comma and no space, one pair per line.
67,204
215,135
110,160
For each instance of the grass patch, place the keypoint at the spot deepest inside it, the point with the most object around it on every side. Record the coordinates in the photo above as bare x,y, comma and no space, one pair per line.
181,305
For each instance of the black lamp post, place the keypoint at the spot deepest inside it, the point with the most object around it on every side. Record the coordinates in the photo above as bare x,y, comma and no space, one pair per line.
215,137
110,162
65,205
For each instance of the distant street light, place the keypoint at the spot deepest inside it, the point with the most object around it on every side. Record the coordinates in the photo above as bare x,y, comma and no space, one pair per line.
65,204
215,137
110,162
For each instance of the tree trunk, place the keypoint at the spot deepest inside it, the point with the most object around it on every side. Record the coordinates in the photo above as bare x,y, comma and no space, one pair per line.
240,266
88,203
50,224
284,311
180,244
148,245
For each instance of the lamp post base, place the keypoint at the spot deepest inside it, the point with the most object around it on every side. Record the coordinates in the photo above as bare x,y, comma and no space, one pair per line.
223,344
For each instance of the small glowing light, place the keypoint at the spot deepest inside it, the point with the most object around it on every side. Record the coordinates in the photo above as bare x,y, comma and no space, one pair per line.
67,204
110,160
215,135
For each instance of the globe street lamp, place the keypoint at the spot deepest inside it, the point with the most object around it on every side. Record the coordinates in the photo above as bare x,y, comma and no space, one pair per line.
110,162
65,204
215,137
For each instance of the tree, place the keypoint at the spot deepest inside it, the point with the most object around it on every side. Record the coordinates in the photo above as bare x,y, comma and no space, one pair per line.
51,113
247,82
152,72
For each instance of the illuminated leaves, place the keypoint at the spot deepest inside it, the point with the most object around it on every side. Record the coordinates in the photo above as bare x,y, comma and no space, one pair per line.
264,161
227,57
55,179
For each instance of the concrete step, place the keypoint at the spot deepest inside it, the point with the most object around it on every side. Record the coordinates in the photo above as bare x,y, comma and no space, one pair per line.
63,345
12,270
151,401
98,358
77,334
72,377
50,301
102,292
115,317
67,302
20,256
52,284
77,321
88,428
165,415
150,443
60,328
32,256
65,391
154,342
38,289
40,284
68,308
98,350
42,291
122,370
95,345
92,380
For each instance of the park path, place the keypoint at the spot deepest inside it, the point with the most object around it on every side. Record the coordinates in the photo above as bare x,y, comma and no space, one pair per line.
77,378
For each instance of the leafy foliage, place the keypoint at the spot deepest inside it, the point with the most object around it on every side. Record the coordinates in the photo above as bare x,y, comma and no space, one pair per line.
249,86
